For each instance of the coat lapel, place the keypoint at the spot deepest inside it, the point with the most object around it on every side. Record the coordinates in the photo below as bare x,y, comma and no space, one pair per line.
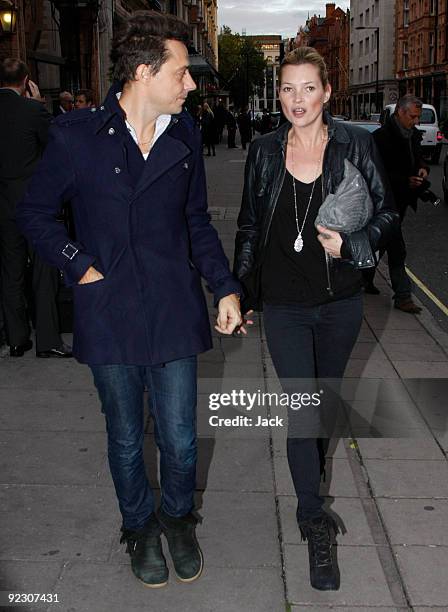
166,154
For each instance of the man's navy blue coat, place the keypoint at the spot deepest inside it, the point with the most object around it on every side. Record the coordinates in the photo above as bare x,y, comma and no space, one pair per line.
143,225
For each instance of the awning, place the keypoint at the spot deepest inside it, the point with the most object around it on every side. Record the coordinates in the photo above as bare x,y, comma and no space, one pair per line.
200,66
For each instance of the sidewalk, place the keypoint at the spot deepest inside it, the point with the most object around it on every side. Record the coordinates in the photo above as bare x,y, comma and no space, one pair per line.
60,520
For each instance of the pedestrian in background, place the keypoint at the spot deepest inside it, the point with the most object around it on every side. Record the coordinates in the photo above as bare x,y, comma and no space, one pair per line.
245,126
231,129
65,104
84,99
220,112
209,132
399,143
25,123
312,313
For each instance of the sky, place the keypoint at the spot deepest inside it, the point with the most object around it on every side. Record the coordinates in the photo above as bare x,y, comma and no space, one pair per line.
270,16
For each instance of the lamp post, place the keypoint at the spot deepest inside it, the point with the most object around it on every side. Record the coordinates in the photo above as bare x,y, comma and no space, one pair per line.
377,88
8,17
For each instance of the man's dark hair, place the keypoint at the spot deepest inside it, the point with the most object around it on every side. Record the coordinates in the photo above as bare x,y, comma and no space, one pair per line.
409,100
141,40
87,93
13,71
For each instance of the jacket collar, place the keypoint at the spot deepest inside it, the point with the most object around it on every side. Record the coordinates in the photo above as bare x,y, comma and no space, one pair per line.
111,108
336,130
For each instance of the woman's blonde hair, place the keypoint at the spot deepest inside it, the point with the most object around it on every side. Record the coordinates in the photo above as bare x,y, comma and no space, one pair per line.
306,55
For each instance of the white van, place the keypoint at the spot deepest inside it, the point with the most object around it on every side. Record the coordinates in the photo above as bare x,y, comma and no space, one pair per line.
429,125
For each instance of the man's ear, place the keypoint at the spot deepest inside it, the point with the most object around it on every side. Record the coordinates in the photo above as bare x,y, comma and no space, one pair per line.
143,72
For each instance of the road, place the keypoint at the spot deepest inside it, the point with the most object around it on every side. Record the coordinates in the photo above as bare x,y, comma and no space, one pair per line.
426,238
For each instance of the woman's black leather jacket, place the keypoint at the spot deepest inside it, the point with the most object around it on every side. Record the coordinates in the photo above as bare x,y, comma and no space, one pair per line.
264,174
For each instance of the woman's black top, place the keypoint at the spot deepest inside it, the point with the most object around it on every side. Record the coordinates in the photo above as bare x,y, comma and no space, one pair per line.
291,277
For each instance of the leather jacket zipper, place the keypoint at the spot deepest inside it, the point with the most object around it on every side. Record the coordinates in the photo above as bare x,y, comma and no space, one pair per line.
275,200
328,258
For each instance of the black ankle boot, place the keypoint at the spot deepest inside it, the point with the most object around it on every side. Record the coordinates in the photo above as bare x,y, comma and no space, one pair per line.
183,546
321,536
145,548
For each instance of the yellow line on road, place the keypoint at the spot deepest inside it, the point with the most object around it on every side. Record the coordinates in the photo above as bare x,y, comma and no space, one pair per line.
429,293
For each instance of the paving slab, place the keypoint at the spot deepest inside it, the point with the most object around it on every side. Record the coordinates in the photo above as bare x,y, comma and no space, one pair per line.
362,578
423,569
32,373
393,448
50,410
421,369
370,368
410,478
28,577
90,587
415,521
348,513
47,523
35,458
414,352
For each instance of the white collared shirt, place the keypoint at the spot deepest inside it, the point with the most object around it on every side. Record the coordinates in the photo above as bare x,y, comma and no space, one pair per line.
162,122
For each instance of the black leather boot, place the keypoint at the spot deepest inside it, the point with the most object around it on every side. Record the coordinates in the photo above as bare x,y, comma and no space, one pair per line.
320,533
183,545
145,548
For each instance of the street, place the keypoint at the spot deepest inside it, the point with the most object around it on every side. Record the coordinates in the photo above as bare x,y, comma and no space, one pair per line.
425,235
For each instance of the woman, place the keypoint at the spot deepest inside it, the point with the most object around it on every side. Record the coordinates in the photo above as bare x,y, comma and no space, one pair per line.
208,128
308,280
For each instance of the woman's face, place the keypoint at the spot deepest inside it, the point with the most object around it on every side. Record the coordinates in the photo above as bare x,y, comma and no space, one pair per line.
302,94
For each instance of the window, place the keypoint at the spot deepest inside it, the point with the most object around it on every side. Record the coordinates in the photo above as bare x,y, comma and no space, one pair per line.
366,74
367,17
432,7
361,51
431,48
405,59
361,19
360,75
367,45
406,13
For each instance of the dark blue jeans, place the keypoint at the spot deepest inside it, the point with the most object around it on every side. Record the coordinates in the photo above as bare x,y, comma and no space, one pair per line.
172,403
309,344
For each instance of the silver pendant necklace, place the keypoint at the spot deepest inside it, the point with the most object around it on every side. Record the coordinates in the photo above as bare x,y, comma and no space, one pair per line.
298,242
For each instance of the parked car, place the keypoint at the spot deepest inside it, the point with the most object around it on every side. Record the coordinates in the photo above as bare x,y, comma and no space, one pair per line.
429,125
371,126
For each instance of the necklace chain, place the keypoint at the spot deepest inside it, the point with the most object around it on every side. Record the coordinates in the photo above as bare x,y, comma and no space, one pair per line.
298,243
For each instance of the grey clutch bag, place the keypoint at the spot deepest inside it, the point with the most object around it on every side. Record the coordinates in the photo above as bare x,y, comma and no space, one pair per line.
351,207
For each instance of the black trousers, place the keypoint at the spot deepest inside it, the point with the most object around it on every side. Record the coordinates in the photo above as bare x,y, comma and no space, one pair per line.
396,260
45,280
308,345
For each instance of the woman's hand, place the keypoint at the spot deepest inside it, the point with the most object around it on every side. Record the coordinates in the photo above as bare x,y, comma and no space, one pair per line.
241,329
330,240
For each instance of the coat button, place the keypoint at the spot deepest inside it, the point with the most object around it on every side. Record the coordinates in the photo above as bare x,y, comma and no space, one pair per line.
101,107
111,131
117,170
186,165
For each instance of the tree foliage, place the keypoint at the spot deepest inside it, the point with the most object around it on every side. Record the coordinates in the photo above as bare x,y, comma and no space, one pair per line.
241,64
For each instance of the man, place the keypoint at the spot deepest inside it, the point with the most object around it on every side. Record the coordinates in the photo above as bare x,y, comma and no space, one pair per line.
231,129
399,144
84,99
140,317
245,126
65,103
25,125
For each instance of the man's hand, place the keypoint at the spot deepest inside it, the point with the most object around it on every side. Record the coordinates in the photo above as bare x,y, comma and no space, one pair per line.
91,276
229,314
33,91
415,181
330,240
423,173
242,328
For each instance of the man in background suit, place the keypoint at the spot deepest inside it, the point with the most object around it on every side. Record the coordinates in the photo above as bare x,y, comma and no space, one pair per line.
25,124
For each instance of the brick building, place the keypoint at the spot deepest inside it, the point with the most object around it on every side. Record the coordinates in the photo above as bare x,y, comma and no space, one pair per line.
66,43
421,57
330,36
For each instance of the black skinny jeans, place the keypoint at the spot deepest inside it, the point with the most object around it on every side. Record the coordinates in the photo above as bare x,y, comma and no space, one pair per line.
308,344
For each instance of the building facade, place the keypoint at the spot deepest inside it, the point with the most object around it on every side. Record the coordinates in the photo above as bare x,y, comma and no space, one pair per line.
271,45
67,43
372,56
330,36
421,51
